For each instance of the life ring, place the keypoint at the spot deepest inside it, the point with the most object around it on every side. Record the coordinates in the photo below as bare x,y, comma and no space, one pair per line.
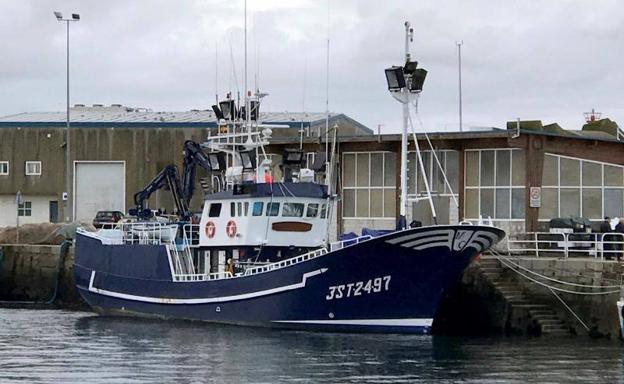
230,228
210,229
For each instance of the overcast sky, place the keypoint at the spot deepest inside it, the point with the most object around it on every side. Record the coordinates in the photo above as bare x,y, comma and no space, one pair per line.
548,60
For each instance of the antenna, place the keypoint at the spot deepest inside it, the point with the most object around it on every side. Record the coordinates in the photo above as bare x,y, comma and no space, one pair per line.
459,66
327,100
305,72
217,73
592,116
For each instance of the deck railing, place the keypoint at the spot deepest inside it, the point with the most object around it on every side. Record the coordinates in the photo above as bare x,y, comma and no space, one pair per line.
145,233
547,244
336,245
285,263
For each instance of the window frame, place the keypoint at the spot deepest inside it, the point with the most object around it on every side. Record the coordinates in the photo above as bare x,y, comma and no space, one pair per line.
3,164
603,187
369,187
24,209
494,187
37,163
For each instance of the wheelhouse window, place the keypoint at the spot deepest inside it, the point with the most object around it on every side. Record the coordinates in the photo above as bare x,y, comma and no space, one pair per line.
246,208
312,210
33,168
215,210
4,168
272,209
323,211
232,209
257,208
292,210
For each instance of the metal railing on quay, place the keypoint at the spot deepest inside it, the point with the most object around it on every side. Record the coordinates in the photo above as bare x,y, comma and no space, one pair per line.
575,244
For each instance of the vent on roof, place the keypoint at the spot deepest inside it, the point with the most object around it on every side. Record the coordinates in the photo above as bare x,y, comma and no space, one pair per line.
78,105
116,105
98,105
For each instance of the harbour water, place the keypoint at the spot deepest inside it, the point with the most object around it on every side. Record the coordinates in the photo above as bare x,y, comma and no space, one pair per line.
53,346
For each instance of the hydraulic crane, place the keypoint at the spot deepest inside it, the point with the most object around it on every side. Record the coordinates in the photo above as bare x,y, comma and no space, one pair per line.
181,191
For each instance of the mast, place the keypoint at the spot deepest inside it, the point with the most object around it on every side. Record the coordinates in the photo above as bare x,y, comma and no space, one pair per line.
403,197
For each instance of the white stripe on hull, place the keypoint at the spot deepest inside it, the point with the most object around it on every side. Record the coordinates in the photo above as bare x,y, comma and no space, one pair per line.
161,300
382,322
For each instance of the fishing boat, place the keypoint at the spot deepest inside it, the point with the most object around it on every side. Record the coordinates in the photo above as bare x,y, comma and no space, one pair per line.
261,253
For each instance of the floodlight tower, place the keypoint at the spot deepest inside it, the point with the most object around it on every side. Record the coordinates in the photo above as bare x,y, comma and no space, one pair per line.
405,84
67,196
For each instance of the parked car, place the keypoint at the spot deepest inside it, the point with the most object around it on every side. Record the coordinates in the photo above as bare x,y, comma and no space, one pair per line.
106,218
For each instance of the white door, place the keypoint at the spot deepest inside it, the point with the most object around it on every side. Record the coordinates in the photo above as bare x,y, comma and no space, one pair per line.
98,186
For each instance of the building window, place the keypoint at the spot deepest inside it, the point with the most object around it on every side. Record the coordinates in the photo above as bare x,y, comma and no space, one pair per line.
4,168
494,184
24,209
443,194
369,185
33,168
578,187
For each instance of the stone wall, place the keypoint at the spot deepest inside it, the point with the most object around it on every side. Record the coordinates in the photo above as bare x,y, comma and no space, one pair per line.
598,312
29,273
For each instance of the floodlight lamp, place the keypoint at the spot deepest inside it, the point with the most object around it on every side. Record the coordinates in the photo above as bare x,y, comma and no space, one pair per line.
292,157
75,16
410,67
217,112
418,79
248,160
59,15
228,109
217,161
395,78
254,107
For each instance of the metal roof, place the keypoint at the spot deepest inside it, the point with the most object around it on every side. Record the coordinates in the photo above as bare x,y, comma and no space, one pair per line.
120,114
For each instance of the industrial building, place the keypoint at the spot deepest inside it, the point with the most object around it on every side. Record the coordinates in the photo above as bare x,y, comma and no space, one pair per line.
520,176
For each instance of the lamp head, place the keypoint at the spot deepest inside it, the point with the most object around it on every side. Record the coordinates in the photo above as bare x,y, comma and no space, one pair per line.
58,15
395,78
75,16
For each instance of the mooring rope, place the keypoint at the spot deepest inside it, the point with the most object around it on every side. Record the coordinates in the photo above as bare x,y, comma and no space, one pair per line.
508,260
551,287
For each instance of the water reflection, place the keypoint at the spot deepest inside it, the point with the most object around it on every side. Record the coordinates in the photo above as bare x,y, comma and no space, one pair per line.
58,346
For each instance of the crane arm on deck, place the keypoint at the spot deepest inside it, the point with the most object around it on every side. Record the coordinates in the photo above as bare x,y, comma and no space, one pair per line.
168,178
193,156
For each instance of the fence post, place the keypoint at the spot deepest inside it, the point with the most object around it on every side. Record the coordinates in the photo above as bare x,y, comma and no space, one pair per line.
536,245
565,244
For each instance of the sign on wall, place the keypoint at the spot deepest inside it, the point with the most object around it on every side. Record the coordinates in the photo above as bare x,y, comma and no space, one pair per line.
535,197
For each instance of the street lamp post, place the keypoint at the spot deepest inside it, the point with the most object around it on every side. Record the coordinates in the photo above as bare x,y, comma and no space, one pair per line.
459,66
67,196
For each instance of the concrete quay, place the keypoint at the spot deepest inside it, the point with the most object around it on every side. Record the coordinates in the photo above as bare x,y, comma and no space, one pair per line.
494,298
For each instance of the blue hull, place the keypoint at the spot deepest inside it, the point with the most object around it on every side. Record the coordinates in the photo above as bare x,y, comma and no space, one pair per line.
391,283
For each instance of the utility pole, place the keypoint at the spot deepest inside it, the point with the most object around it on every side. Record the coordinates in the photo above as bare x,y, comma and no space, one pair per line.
68,171
459,46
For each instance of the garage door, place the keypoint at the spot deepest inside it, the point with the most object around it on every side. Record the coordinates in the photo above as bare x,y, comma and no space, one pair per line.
99,186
